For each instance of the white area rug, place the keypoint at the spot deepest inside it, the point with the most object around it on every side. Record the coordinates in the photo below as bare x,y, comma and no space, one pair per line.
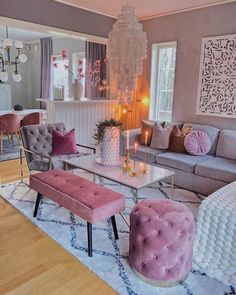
110,257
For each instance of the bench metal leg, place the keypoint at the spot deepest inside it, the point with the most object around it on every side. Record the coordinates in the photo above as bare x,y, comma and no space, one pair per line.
39,197
90,244
113,221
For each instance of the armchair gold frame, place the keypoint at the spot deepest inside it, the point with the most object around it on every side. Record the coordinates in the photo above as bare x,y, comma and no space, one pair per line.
22,149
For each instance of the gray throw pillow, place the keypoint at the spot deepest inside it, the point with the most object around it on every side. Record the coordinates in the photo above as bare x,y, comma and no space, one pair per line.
161,136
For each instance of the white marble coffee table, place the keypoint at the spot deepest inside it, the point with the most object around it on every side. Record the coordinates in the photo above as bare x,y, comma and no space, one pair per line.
115,173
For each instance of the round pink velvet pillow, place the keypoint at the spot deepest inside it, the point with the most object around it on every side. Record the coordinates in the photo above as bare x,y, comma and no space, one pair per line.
197,143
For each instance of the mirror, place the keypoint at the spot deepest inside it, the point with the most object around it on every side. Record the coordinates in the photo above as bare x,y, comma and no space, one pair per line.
84,59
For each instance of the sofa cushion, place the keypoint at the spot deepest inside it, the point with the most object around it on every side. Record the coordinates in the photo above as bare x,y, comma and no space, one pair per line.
197,143
182,162
146,132
58,161
150,155
226,147
177,138
39,164
177,124
217,168
64,143
212,132
161,136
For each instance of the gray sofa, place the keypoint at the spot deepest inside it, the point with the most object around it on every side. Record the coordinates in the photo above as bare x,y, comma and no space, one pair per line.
201,174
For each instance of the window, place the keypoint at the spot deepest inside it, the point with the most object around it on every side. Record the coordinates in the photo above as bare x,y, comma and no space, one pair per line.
162,81
60,76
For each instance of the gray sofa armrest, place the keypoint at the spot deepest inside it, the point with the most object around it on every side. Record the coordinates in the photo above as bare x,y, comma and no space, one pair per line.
134,135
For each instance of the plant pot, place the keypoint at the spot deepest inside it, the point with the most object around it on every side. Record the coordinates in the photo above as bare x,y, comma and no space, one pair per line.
77,89
110,146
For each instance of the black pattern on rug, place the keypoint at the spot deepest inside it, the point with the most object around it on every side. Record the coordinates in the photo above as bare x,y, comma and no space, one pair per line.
110,256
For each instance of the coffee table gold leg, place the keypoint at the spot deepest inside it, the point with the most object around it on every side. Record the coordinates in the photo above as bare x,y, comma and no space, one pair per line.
125,220
21,167
136,196
172,187
65,166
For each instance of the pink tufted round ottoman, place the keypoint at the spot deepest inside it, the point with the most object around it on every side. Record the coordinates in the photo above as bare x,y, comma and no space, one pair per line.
161,241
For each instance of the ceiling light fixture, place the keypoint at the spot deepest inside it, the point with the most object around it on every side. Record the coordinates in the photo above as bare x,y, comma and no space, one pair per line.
5,49
126,50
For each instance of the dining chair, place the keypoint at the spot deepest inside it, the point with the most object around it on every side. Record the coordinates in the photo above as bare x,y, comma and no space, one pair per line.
9,125
32,119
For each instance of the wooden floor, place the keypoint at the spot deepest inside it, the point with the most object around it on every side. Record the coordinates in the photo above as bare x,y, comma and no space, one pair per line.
31,263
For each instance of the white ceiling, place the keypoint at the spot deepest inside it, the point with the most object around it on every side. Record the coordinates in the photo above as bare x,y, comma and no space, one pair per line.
22,34
144,8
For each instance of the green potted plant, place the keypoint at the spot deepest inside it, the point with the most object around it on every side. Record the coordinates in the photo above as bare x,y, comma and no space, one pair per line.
108,136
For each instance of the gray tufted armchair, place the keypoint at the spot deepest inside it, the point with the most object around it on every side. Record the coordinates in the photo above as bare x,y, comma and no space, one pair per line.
37,146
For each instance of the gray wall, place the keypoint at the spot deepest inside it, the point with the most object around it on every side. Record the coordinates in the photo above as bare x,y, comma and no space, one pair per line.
187,29
55,14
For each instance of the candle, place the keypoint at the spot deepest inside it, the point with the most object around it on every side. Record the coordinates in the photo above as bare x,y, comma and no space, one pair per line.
127,139
135,148
146,138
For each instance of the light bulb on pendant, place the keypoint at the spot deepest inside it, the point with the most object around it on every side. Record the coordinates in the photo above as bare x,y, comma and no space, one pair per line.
7,43
18,44
16,77
3,76
22,58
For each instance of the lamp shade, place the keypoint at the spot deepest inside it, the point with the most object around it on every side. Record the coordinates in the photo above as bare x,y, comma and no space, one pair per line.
18,44
7,43
126,50
22,58
3,76
16,77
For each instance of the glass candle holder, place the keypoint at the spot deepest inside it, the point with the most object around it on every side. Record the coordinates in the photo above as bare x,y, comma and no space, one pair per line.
134,172
127,167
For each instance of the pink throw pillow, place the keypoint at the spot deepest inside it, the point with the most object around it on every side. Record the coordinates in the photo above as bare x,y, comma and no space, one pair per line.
197,143
63,144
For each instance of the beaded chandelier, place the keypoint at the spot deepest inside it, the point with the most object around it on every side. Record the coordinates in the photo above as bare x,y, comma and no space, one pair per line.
126,50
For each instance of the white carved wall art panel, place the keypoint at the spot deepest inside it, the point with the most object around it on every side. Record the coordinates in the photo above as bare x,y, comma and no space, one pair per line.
217,77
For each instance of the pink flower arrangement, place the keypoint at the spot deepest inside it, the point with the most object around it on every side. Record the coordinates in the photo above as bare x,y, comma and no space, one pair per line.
94,72
80,68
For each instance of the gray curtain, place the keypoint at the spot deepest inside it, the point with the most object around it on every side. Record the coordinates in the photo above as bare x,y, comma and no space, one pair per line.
94,51
46,54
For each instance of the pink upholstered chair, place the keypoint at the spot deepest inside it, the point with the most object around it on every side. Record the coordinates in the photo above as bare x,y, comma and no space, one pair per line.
9,125
32,119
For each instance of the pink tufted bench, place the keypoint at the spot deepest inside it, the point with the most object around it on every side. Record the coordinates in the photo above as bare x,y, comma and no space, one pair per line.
161,241
84,198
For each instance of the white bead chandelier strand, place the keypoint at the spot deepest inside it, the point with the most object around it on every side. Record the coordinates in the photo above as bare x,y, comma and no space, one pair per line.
126,50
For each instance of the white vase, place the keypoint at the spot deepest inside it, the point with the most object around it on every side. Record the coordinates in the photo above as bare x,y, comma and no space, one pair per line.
110,146
77,89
